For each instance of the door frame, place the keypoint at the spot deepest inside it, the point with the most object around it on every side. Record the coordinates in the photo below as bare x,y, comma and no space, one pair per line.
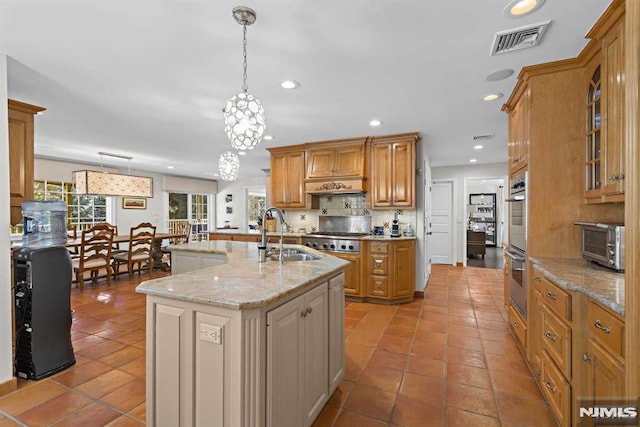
454,209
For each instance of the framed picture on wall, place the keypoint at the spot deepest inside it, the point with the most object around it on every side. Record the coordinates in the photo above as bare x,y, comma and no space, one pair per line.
229,210
134,203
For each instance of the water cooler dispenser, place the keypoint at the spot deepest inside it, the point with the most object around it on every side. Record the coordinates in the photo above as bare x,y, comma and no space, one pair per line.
42,275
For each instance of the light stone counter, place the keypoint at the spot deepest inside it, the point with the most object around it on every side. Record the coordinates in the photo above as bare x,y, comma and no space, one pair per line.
604,285
242,282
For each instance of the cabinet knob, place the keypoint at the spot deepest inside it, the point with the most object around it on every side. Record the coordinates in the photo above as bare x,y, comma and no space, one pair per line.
614,178
550,336
620,176
537,279
585,358
606,329
551,387
551,296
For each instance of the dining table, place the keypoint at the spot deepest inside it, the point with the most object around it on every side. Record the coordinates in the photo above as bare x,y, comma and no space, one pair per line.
156,253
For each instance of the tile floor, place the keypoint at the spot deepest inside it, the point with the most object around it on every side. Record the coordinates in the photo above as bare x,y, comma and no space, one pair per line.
445,360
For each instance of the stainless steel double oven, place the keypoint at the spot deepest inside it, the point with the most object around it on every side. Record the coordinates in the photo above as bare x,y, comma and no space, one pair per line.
518,242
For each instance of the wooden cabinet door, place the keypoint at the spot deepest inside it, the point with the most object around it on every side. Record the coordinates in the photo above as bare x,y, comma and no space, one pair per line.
352,274
279,184
295,186
316,342
21,135
519,134
285,364
614,102
381,175
336,331
605,374
320,164
403,178
403,269
349,161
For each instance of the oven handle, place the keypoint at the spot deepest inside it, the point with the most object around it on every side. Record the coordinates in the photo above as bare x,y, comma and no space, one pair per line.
515,257
515,199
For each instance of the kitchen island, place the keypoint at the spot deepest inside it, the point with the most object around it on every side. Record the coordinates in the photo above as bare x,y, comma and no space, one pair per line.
243,343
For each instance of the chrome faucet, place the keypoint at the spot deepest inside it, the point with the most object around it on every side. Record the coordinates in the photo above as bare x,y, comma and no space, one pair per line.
262,247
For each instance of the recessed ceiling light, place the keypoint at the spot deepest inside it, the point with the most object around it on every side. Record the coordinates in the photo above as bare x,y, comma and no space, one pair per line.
492,96
518,8
375,122
478,147
473,160
242,153
169,167
499,75
267,137
289,84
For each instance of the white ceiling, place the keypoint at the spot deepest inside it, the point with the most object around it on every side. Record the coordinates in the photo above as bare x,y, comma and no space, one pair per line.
149,78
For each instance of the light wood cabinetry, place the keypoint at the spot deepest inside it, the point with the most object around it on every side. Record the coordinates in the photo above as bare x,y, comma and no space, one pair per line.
390,270
21,139
352,274
297,360
518,325
287,178
518,144
392,177
336,159
605,143
237,237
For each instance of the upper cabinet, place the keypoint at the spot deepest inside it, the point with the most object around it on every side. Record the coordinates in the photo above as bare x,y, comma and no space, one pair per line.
336,159
21,136
287,178
605,96
519,136
392,177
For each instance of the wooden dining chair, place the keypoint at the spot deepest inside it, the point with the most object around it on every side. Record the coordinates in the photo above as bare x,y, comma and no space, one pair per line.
72,234
184,229
140,250
95,253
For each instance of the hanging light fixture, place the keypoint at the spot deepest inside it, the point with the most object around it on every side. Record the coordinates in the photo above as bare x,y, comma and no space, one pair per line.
243,114
111,184
229,166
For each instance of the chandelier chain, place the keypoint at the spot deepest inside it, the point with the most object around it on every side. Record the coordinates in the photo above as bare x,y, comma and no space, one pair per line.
245,88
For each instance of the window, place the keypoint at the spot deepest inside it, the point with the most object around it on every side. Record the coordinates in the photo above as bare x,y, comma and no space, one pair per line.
82,211
194,207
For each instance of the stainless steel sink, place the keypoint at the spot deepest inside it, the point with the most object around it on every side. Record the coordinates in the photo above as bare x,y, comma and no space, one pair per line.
291,255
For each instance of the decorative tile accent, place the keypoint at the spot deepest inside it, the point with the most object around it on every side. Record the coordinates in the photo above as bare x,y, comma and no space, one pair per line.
347,205
324,211
386,225
329,198
314,229
400,212
366,212
303,217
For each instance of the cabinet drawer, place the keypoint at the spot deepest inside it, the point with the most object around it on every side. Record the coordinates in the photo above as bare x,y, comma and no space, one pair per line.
556,389
378,264
518,326
554,297
605,327
378,248
378,286
556,340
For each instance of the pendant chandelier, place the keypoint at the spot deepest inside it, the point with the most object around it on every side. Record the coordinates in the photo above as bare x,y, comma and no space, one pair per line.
243,114
229,166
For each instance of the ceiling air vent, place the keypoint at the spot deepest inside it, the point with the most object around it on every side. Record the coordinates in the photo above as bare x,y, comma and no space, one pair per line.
518,38
483,137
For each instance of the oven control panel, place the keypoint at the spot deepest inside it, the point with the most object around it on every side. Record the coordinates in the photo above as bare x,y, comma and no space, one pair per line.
329,244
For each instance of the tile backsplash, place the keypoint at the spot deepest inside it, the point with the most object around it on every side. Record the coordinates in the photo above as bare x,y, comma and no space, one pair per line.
347,205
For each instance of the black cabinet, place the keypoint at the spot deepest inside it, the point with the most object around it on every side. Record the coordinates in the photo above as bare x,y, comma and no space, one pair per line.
483,214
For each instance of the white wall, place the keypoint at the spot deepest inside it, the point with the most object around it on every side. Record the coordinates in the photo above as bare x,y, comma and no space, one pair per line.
458,174
6,364
239,204
423,160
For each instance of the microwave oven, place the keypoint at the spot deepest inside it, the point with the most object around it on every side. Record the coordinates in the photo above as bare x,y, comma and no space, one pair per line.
603,244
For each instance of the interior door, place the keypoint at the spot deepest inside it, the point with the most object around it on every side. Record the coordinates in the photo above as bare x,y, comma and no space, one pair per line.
442,222
427,222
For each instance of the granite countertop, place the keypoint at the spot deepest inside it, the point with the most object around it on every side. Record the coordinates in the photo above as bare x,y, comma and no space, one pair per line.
294,234
576,274
242,282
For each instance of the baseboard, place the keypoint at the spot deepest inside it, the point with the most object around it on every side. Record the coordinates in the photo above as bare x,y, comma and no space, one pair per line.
418,294
459,264
8,386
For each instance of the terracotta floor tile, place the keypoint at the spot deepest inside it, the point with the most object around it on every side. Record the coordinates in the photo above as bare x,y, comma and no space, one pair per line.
461,341
504,348
54,409
91,415
431,351
399,331
133,337
466,331
99,350
472,399
371,402
431,337
432,325
351,323
507,364
469,375
386,379
523,411
77,375
363,336
327,416
10,423
512,383
350,419
354,314
122,356
356,358
399,345
89,325
462,321
418,364
139,412
463,356
136,367
115,330
414,412
30,396
423,387
126,397
86,342
105,383
340,395
125,421
389,359
498,325
401,319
